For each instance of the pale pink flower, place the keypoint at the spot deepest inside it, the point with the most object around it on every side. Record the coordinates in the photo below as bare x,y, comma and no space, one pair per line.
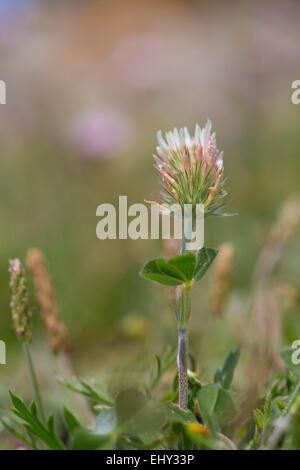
191,168
100,133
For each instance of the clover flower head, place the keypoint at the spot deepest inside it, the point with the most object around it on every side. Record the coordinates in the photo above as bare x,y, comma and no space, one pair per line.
191,168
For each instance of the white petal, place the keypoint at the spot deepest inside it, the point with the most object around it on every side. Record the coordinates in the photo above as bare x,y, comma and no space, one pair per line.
181,137
160,152
176,137
197,136
187,137
171,140
205,135
161,141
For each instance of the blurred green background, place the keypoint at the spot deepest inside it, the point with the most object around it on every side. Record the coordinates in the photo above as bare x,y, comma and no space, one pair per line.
89,83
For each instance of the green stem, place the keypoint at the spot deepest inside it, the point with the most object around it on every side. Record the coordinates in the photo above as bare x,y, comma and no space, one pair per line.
34,382
183,245
183,305
183,313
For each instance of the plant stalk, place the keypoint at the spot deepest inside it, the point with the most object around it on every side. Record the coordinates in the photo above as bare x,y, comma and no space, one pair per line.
34,382
182,366
183,313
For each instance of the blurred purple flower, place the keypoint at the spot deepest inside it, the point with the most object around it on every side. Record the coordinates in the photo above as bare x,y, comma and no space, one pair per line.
100,133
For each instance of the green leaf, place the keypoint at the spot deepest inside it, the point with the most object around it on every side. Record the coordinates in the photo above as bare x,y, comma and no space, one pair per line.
149,419
34,425
19,404
216,406
180,269
177,415
128,403
161,271
225,375
204,258
145,441
137,414
94,391
259,418
84,439
287,357
71,422
50,423
162,365
106,421
194,379
256,438
185,265
267,405
13,431
33,408
294,403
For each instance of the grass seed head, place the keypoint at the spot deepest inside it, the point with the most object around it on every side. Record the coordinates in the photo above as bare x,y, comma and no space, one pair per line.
55,328
21,313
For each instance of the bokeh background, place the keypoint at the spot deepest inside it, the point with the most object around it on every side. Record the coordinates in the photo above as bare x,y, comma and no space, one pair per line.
89,83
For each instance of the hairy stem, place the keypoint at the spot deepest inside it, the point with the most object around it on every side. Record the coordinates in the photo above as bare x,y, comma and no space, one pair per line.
182,366
34,382
183,313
